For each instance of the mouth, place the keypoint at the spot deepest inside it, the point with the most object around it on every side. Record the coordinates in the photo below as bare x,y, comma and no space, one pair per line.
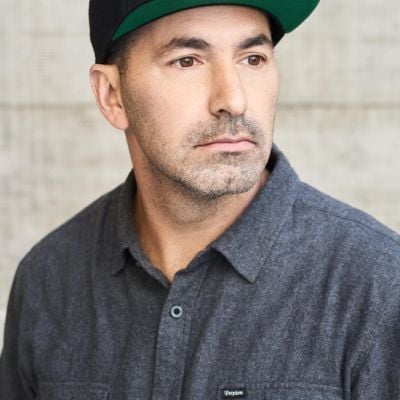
229,144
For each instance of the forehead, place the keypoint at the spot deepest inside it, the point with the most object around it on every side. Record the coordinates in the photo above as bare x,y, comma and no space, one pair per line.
214,23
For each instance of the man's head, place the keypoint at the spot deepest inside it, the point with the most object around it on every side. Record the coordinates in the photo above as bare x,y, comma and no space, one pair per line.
196,96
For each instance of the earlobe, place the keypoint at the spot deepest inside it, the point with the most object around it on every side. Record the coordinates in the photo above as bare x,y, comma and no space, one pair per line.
105,80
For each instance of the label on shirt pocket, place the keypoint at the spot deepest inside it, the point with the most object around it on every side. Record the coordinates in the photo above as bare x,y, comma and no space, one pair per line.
72,391
278,391
233,393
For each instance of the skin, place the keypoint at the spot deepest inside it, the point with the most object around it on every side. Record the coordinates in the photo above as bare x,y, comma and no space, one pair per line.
181,108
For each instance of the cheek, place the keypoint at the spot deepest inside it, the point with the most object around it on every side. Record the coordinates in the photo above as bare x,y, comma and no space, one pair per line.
271,86
262,101
175,110
145,109
156,124
168,105
269,80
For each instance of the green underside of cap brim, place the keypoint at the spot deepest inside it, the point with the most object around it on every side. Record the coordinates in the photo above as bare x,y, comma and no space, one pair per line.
289,13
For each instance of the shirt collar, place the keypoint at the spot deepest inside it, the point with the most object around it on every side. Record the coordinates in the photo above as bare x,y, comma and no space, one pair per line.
126,234
247,243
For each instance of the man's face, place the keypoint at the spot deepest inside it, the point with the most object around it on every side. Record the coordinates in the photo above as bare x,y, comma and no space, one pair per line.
200,93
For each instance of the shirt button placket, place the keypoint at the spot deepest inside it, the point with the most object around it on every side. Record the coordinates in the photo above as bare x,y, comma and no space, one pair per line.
171,340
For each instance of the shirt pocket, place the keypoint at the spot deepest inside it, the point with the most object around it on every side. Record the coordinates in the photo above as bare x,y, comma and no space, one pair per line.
73,391
278,391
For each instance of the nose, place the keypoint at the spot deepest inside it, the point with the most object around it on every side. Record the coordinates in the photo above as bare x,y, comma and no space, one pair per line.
227,92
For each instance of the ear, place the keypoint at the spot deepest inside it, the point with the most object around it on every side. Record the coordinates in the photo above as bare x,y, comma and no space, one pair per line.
106,87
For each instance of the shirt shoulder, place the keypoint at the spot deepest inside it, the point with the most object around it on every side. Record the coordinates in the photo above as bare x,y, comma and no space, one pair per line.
69,245
359,254
358,264
344,222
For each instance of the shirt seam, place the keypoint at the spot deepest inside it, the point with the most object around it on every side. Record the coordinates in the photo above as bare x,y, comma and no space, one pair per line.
353,220
291,384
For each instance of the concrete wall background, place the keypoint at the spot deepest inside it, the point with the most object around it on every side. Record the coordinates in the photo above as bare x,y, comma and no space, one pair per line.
338,120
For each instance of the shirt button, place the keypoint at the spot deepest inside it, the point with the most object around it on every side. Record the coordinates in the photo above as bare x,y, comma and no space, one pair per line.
176,312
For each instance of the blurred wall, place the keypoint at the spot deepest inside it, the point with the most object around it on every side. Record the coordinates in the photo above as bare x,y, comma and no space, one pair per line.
338,120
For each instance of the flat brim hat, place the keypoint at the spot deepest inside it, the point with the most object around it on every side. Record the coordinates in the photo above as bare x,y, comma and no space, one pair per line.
109,20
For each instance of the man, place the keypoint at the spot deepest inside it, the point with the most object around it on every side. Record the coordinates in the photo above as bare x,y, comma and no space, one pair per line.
212,272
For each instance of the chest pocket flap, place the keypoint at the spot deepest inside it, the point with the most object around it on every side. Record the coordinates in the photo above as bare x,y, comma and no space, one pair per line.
302,394
279,391
73,391
296,394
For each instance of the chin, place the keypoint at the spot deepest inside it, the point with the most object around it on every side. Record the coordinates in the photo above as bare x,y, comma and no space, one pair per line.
214,184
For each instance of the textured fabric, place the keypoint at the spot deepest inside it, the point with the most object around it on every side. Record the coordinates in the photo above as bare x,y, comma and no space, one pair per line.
298,300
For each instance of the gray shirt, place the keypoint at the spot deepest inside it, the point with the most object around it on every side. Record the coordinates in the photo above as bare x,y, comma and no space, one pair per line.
298,300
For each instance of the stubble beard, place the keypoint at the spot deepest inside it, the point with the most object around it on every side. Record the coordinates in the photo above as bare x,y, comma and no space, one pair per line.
203,176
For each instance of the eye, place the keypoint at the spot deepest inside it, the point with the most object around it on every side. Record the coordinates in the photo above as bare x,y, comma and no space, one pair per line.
185,62
255,60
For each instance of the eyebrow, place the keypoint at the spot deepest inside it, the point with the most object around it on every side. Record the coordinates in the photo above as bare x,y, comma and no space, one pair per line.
182,43
201,44
258,40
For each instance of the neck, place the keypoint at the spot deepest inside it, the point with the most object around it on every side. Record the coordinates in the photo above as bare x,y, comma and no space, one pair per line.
173,226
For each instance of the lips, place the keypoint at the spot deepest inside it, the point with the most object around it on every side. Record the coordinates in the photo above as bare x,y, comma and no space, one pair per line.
228,140
229,144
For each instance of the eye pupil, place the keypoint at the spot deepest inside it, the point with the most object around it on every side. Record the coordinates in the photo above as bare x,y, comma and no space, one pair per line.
186,62
254,60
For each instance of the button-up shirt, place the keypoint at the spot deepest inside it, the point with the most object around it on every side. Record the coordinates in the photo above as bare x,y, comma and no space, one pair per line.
297,300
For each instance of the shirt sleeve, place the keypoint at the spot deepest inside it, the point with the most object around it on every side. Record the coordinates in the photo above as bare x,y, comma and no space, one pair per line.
15,383
379,374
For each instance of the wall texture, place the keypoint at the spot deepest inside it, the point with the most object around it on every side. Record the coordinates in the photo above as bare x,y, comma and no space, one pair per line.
338,120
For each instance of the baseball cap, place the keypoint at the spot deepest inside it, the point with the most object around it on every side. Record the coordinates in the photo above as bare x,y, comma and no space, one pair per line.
109,20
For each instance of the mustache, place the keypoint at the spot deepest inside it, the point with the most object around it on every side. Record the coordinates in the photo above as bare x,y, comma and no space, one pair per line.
232,126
